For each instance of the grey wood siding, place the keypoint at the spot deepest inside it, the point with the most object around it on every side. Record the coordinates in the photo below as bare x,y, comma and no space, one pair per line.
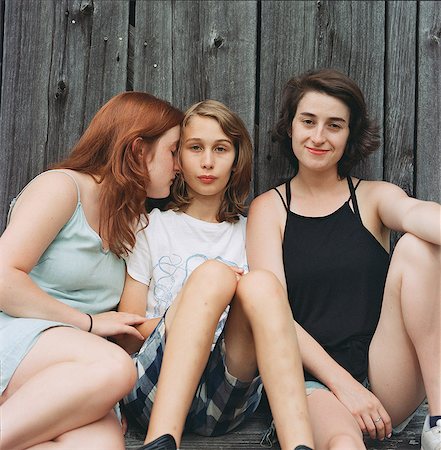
62,59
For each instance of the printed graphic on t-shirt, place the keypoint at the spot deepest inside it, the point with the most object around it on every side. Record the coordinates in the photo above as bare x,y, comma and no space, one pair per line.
170,274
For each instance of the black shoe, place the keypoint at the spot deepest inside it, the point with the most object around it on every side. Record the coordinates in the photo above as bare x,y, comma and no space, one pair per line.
165,442
303,447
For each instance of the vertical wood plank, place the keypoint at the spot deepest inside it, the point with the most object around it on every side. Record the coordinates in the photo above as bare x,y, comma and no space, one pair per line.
24,104
2,17
153,56
428,149
188,51
399,126
317,34
57,72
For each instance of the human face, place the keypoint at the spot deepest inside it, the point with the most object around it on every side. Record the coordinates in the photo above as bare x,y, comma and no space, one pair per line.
161,163
207,157
320,131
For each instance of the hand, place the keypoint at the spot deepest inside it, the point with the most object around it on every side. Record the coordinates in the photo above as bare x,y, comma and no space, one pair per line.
367,410
238,271
112,323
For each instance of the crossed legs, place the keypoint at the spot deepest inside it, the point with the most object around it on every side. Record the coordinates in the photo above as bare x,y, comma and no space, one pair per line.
63,392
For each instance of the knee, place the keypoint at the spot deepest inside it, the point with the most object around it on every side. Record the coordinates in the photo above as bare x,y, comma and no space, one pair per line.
345,441
416,252
261,288
214,275
116,372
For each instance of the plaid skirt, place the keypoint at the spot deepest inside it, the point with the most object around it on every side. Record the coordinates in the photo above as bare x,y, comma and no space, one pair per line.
221,403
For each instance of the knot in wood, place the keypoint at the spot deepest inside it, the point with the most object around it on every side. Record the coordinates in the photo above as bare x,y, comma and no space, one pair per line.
61,89
218,41
435,38
86,7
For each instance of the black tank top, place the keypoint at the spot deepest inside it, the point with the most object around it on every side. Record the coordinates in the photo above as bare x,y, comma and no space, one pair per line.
335,273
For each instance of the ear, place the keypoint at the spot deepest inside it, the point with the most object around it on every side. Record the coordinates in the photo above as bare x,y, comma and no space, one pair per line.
137,147
140,149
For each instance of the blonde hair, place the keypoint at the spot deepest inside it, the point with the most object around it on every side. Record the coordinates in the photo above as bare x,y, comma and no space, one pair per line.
238,186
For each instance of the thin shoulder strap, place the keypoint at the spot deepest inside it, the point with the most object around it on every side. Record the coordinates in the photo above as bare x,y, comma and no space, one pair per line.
288,193
281,198
14,200
353,196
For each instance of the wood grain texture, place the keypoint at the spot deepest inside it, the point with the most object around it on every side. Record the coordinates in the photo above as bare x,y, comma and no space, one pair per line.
428,151
399,128
62,60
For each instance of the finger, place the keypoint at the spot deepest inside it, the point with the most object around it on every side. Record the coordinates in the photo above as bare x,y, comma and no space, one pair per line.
370,426
136,320
387,421
132,319
379,425
361,424
133,332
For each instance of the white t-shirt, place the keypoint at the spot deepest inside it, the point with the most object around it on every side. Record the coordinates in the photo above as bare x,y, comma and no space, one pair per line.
173,245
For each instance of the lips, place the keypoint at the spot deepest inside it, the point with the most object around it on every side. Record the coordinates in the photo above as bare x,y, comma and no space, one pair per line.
316,151
207,179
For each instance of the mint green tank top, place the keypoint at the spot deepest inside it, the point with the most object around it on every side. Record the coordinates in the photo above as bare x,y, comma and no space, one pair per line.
76,270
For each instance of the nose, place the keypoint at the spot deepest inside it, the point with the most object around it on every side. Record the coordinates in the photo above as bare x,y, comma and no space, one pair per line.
207,160
175,164
318,135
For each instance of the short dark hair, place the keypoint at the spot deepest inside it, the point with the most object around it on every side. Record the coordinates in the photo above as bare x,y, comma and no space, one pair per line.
364,137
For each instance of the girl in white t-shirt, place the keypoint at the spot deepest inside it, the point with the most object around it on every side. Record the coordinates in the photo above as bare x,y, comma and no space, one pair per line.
198,368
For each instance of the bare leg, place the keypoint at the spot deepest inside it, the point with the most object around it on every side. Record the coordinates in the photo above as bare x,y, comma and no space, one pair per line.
68,379
334,427
190,324
102,434
404,357
260,325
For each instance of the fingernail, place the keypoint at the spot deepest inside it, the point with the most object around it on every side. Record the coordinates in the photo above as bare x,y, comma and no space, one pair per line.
389,435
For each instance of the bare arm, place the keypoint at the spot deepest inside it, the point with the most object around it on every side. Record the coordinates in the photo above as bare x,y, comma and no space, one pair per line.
39,214
134,300
399,212
265,227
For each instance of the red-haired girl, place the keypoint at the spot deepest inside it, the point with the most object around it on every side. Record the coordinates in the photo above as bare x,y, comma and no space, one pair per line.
62,273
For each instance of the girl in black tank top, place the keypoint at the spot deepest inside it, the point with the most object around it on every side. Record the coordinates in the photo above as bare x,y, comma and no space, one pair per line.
333,264
356,314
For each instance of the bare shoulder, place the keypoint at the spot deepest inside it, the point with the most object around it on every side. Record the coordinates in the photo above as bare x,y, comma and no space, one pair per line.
270,199
51,192
268,207
379,189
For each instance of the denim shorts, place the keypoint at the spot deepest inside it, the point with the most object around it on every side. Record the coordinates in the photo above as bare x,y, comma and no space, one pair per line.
221,402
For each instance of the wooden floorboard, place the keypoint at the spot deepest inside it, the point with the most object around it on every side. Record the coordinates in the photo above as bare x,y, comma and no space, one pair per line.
248,436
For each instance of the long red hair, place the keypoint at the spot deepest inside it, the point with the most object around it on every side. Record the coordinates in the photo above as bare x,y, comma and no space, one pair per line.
105,152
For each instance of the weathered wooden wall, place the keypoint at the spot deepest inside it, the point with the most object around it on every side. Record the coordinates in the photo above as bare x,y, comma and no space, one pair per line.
62,59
